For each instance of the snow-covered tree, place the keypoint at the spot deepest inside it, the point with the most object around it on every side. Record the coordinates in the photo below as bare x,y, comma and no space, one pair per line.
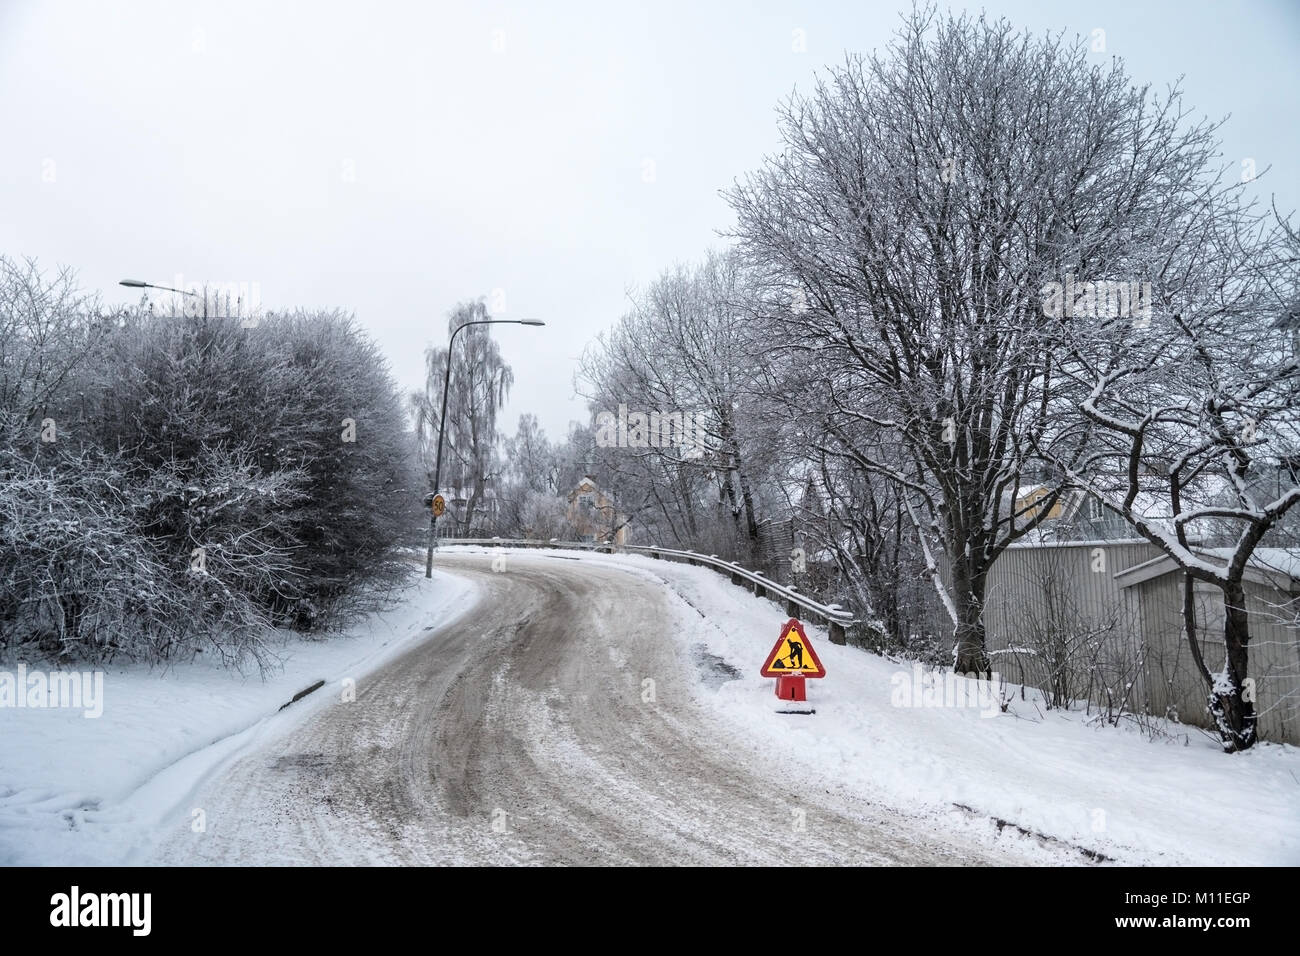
480,381
1192,412
684,354
529,459
923,199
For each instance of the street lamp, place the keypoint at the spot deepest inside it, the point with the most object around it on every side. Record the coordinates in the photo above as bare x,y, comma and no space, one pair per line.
442,425
141,284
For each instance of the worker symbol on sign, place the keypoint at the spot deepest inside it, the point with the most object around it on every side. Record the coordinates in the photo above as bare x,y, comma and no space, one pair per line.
795,660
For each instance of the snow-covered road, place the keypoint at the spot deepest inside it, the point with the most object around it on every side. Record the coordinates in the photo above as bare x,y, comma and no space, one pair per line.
554,723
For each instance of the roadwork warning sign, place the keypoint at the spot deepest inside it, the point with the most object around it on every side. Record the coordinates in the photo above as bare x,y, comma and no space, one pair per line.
793,655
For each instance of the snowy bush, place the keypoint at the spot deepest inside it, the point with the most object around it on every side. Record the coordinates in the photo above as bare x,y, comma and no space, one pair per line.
80,581
170,484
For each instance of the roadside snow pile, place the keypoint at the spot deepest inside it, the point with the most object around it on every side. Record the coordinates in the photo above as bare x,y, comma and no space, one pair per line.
1110,790
79,790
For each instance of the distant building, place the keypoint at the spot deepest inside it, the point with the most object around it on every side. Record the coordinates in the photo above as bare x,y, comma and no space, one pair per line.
1032,501
1075,515
594,514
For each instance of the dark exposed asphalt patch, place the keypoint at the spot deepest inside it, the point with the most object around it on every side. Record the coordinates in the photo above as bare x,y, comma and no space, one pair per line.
714,671
312,762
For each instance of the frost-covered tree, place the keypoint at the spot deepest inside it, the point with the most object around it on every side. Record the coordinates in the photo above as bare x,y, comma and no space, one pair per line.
49,331
480,382
529,471
1192,409
529,459
684,354
545,517
923,199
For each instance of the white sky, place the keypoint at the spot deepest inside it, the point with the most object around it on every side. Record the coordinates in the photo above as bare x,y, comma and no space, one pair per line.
214,140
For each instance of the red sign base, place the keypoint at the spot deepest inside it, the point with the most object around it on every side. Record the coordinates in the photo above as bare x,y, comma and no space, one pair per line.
790,688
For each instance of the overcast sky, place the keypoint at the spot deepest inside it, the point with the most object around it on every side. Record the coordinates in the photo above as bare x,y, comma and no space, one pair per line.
395,158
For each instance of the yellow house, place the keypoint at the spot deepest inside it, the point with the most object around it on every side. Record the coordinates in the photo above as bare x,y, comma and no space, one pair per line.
1028,504
593,514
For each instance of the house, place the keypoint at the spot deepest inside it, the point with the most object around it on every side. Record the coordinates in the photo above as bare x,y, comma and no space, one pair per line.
1030,503
593,514
1102,619
1077,515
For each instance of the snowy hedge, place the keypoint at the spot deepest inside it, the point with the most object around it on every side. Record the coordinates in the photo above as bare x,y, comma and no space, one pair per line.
170,484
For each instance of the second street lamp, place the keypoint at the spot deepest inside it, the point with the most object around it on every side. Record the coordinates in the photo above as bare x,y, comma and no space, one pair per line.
141,284
442,425
246,321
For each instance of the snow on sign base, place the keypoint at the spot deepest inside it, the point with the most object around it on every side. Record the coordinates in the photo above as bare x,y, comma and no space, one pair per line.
793,654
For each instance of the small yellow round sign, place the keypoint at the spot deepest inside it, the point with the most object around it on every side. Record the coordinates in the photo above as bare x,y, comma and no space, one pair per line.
439,505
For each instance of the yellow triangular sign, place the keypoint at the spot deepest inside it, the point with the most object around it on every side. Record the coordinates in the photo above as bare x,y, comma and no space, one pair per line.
793,654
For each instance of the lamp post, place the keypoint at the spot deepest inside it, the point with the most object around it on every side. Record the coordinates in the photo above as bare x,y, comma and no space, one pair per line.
140,284
442,425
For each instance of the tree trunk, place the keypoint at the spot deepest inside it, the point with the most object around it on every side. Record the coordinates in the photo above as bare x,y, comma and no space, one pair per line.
969,653
1234,715
892,620
688,506
747,499
882,591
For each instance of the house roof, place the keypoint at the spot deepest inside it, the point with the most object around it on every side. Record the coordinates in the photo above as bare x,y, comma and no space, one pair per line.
595,487
1036,539
1271,567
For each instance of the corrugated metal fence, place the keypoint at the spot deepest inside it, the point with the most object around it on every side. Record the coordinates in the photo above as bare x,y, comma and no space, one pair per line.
1056,619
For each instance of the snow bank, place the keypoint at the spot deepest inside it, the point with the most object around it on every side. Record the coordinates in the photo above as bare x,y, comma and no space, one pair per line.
88,791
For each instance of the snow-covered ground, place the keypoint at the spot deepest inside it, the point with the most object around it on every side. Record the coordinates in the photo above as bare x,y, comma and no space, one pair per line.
77,790
1170,801
85,790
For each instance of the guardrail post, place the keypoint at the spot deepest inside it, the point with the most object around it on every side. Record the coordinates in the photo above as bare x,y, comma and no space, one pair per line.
758,590
736,578
837,633
791,608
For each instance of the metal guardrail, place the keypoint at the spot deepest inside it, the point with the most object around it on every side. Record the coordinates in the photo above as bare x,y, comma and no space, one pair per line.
835,617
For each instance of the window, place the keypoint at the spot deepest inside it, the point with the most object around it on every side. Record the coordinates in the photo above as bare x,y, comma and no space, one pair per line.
1096,511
